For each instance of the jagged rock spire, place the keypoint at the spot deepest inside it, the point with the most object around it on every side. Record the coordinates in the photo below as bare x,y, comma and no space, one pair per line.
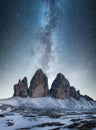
21,89
38,85
60,87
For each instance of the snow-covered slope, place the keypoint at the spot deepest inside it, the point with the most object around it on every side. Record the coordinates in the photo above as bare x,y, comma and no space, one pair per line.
48,102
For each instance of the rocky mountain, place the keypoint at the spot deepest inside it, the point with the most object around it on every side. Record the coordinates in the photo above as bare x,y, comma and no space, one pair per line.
38,85
61,107
60,88
75,94
21,89
87,98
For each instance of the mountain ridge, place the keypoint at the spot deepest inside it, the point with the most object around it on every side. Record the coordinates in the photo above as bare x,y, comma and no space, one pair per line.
60,88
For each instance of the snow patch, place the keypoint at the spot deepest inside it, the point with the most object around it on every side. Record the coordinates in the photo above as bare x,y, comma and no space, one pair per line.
48,102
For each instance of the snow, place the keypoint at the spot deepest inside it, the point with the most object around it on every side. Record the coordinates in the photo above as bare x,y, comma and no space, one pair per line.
48,102
30,113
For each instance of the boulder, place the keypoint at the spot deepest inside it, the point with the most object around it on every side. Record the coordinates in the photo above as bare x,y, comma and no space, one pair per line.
38,85
21,89
60,87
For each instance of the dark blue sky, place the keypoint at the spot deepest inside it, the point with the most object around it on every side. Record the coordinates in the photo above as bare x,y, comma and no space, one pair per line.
55,35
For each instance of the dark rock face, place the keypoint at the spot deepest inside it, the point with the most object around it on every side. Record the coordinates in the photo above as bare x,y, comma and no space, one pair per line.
24,81
60,87
21,89
72,92
78,95
75,94
38,85
87,98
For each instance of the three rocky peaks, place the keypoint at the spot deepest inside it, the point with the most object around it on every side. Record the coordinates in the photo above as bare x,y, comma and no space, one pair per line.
60,88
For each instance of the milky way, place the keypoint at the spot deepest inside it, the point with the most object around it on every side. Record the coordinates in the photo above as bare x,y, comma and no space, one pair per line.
46,32
55,35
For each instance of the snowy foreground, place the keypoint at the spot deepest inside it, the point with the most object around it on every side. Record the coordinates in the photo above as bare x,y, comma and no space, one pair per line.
47,114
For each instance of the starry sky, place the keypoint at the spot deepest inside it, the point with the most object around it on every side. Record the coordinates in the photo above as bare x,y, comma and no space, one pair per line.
55,35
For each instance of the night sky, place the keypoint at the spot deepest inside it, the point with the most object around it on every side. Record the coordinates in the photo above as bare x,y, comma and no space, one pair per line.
55,35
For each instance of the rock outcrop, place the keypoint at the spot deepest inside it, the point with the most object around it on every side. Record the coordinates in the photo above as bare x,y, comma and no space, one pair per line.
75,94
38,85
21,89
60,87
87,98
72,92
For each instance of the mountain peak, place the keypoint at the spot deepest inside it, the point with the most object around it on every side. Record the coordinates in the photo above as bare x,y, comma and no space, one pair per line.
60,87
39,70
21,88
39,84
60,80
60,76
